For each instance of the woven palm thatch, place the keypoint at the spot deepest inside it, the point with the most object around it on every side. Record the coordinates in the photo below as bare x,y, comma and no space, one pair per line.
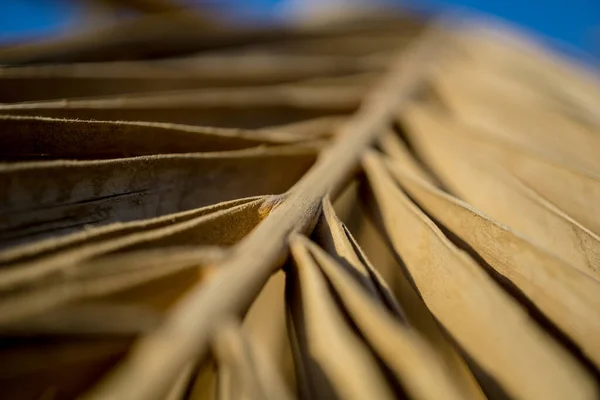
393,209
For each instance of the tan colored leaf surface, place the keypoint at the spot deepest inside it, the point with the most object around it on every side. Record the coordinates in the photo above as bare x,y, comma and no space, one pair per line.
488,324
485,185
511,88
540,131
335,239
332,355
74,194
204,382
63,367
575,191
87,320
353,206
154,278
568,297
393,146
183,336
130,279
37,138
228,107
318,128
47,82
409,357
253,375
221,225
265,325
518,55
154,201
93,235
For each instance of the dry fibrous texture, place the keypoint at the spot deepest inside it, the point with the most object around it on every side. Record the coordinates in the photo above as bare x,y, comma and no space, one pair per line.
75,194
38,138
229,107
365,210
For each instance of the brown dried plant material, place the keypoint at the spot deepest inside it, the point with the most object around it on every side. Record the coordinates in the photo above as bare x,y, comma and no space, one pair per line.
332,357
93,235
362,45
38,138
180,387
515,54
332,236
362,80
253,376
511,89
87,319
569,298
220,225
574,191
473,76
228,386
227,107
47,82
409,357
391,145
183,33
354,209
46,358
540,131
137,277
183,336
74,194
129,281
490,326
173,235
204,383
311,129
265,325
63,367
488,187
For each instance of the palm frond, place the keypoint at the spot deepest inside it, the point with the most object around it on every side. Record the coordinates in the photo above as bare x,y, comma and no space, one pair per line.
392,209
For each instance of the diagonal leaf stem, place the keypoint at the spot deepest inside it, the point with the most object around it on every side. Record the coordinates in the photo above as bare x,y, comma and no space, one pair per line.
158,358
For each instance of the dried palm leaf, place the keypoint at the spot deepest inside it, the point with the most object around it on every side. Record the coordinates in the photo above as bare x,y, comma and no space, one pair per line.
354,211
